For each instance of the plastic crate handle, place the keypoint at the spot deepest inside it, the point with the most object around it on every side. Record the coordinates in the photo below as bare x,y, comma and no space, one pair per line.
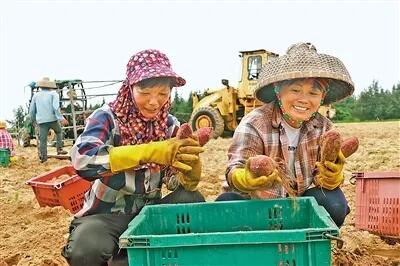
339,242
353,179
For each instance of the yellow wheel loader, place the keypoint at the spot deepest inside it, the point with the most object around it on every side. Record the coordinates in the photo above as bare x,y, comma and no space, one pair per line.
223,108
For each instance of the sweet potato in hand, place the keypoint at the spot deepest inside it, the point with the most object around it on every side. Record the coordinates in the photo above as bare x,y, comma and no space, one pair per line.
330,143
261,165
349,146
203,134
184,131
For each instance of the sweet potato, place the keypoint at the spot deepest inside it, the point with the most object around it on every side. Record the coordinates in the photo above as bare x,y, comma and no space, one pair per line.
184,131
349,146
330,143
204,134
261,165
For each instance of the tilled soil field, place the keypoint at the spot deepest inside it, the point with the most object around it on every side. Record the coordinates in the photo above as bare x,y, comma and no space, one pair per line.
33,235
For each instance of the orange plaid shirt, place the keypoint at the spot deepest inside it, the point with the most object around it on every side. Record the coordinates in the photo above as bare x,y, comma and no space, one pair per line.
261,132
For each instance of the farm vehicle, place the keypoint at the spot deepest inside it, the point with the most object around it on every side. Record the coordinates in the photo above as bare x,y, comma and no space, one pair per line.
74,107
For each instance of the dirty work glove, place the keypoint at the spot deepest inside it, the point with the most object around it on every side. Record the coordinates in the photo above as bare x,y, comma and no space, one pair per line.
171,152
244,180
330,175
190,179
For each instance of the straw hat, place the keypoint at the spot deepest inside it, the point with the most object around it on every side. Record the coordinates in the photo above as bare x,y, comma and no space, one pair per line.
46,83
2,124
302,61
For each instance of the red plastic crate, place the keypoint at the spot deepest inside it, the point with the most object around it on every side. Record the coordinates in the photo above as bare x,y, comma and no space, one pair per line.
66,192
378,202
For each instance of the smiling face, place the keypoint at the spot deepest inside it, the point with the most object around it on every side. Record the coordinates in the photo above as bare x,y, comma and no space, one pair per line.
150,100
300,99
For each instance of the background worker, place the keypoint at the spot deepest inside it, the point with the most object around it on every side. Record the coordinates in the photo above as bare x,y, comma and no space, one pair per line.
6,141
44,111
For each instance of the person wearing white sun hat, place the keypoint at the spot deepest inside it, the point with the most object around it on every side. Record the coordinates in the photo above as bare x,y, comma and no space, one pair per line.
44,110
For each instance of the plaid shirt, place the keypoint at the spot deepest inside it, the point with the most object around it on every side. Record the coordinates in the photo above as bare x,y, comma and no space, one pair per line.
125,192
261,132
6,141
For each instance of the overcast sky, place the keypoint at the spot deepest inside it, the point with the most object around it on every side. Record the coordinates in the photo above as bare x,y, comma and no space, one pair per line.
93,40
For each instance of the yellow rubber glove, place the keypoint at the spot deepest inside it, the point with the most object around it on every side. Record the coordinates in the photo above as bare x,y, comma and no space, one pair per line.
168,152
330,175
245,181
190,179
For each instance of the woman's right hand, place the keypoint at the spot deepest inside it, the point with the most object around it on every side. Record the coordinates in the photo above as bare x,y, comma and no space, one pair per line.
187,154
171,152
64,122
247,180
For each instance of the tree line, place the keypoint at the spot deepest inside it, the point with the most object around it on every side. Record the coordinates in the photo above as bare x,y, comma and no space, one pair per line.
373,103
181,108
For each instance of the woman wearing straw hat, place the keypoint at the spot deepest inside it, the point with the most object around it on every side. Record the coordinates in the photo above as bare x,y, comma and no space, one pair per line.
288,127
44,110
126,150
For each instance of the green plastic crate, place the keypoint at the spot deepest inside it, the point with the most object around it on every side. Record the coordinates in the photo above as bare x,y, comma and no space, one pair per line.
251,232
4,157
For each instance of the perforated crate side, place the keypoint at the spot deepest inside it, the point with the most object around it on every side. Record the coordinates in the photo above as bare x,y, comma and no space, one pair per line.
68,193
378,202
231,233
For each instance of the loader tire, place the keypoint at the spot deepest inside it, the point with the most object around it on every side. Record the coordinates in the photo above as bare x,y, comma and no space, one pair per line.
24,139
207,117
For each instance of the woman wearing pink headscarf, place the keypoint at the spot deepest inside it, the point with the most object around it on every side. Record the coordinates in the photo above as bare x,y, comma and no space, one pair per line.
127,150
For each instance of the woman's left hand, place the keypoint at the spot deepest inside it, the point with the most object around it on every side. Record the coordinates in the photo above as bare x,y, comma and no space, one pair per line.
190,179
330,175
